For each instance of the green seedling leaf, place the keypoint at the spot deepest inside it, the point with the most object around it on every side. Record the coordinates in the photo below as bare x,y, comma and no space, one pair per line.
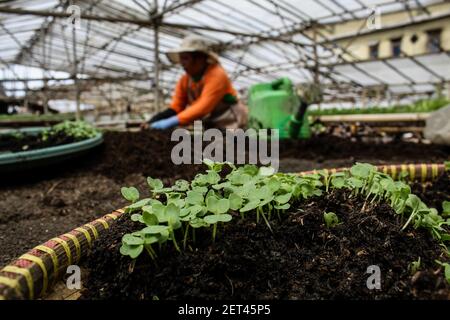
172,210
415,266
149,219
202,190
158,229
180,203
274,184
132,251
284,198
194,197
338,182
217,206
154,184
138,205
198,223
185,212
131,240
212,178
250,169
264,193
159,210
355,182
282,207
136,217
131,193
446,208
173,216
240,179
413,201
215,166
235,201
362,170
266,201
196,209
151,239
251,205
331,219
215,218
181,185
221,185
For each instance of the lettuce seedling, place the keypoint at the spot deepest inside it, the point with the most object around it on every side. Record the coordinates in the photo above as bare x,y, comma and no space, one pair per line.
415,266
331,219
218,207
131,193
446,208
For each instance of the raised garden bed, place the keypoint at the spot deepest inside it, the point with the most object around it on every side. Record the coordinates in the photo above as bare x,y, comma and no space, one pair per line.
306,253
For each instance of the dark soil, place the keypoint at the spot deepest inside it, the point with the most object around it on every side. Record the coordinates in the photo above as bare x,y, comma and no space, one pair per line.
28,142
329,147
36,206
301,260
434,194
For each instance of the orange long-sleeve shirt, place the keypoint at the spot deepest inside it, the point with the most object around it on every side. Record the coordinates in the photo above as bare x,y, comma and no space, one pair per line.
216,85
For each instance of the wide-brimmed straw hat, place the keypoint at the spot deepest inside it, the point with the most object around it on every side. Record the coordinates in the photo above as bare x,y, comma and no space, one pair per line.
193,43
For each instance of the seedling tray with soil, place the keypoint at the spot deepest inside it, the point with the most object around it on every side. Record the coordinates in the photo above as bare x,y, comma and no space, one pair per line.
29,148
39,138
319,236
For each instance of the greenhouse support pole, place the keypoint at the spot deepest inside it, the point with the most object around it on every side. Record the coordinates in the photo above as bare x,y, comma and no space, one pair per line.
44,58
45,97
448,90
364,98
316,65
156,58
75,72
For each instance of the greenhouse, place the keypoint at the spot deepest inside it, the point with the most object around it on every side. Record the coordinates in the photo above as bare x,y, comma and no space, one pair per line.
216,150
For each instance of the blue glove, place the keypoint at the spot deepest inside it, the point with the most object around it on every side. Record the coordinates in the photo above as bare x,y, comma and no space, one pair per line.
165,123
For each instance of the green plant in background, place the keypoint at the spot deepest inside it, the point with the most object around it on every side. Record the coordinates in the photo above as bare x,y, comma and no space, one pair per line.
418,106
79,130
17,135
249,192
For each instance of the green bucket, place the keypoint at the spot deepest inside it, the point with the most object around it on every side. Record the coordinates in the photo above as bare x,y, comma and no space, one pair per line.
273,105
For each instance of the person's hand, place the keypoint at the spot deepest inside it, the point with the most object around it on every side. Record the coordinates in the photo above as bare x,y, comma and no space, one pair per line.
165,123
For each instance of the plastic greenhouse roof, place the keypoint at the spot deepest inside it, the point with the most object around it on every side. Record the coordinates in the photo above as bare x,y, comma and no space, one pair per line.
259,40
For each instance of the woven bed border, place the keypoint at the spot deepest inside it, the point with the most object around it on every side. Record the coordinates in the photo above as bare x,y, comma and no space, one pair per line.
35,272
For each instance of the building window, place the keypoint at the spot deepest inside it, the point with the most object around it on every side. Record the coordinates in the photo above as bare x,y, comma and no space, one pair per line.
434,41
396,47
373,51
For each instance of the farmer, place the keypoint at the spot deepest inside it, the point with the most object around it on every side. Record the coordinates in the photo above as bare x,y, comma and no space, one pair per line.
203,93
